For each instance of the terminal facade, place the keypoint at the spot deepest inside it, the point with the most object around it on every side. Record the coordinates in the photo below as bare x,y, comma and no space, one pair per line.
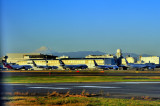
51,60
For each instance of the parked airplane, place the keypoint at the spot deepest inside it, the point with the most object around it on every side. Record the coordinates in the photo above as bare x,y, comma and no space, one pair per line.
16,67
1,67
44,66
72,67
105,67
151,65
140,66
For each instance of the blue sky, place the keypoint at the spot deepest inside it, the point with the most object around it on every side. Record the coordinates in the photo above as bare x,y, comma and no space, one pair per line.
81,25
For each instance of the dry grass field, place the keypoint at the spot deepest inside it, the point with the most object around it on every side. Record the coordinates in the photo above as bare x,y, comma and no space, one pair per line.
83,99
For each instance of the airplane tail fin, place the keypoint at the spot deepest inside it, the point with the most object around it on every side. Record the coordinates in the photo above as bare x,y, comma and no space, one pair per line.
126,60
95,63
34,64
61,62
6,64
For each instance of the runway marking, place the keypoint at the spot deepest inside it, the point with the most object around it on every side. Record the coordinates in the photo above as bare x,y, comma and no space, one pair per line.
138,82
48,88
97,87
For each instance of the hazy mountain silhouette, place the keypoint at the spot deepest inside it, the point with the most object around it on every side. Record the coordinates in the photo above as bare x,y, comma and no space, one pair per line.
135,55
78,54
81,54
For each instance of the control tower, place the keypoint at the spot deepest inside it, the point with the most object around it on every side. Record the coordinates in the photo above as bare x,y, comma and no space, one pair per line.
119,56
119,53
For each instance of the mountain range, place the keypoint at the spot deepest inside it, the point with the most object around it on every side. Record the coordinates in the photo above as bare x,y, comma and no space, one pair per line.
81,54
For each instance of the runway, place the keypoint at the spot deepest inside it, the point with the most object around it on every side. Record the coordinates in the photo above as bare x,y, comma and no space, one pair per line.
115,89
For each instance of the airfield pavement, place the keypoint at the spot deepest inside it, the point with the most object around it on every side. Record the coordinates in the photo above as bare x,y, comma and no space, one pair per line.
114,89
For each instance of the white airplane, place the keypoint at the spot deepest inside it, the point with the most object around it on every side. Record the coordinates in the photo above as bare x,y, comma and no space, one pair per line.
148,66
44,66
16,67
105,67
72,67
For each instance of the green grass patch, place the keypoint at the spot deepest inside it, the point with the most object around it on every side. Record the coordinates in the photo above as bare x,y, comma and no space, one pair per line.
54,79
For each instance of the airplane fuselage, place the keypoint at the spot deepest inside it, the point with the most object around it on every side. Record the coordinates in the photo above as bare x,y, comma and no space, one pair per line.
73,67
140,66
47,67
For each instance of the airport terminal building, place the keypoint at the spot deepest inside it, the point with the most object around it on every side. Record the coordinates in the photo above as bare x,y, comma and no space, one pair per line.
17,57
71,61
51,60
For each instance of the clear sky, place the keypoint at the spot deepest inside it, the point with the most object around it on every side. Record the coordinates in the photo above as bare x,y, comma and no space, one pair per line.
81,25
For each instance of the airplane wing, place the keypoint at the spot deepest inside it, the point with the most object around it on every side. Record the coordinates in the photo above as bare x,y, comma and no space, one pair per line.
18,67
54,67
82,66
103,67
